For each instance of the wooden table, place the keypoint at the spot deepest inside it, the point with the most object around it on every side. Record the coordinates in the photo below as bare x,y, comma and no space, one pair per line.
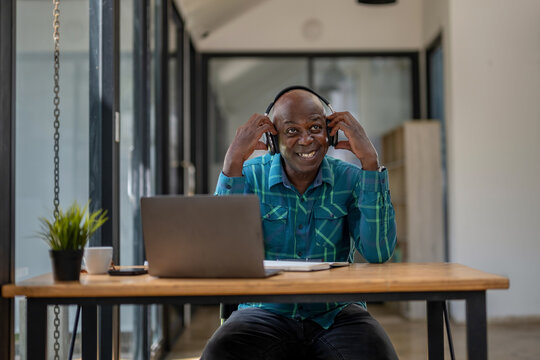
433,282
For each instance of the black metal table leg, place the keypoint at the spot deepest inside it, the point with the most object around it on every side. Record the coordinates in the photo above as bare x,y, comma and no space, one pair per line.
106,332
89,332
36,329
476,326
435,330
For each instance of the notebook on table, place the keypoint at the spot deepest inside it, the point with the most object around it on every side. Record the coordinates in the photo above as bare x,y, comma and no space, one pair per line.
204,236
302,265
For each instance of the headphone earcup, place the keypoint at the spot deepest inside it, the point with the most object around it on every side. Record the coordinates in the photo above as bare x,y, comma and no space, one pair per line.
332,140
272,143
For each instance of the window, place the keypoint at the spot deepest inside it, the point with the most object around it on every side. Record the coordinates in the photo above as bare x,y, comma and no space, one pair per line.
378,90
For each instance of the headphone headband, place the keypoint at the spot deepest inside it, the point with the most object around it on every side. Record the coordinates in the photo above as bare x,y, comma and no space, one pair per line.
297,87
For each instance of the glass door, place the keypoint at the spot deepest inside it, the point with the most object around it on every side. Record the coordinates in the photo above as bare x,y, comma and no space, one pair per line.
151,107
137,163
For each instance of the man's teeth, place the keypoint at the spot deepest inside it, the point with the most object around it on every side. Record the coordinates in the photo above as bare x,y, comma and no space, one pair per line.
307,155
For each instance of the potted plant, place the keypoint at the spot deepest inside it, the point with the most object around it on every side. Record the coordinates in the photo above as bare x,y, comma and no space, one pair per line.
67,235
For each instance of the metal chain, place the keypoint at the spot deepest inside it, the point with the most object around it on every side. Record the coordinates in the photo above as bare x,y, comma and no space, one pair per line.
56,102
56,333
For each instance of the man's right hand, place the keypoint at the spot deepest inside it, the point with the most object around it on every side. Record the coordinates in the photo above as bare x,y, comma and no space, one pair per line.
245,142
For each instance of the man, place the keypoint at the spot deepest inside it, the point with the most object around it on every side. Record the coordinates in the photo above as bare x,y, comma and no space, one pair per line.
313,207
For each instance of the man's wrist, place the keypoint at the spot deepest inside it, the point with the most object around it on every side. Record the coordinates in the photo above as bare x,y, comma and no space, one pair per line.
232,171
230,185
372,165
232,167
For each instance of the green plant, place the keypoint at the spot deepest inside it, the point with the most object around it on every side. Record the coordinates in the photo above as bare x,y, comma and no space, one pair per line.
71,229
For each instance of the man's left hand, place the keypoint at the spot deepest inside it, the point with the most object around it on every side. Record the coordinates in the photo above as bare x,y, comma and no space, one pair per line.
358,142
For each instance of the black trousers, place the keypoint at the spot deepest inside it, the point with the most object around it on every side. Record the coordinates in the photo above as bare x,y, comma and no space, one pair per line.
255,333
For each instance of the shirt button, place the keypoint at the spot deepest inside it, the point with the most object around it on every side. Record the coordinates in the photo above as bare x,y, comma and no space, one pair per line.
228,186
300,226
302,199
299,253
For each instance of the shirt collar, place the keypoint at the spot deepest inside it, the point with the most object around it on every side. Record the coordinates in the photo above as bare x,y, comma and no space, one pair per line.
277,173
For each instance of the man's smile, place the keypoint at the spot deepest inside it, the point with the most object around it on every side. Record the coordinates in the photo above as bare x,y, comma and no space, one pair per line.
307,155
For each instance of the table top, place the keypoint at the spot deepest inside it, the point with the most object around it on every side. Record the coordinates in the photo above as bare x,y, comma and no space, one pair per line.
357,278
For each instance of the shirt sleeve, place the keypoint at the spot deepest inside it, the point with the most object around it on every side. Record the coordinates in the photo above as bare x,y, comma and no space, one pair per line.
372,218
231,185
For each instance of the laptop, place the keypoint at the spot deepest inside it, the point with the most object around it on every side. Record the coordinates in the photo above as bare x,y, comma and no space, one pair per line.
204,236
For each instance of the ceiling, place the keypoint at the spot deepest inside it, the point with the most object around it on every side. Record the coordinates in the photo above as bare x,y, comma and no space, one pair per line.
204,17
302,25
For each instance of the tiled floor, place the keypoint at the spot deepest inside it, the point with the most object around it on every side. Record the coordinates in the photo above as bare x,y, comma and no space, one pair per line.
507,340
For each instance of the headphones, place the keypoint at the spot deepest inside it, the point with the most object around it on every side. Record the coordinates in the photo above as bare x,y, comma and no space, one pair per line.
272,140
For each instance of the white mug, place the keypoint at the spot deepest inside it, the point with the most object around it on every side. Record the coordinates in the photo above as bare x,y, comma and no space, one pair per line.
98,259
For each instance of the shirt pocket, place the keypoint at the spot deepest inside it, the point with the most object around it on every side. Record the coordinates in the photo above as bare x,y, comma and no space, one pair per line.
275,220
274,212
331,232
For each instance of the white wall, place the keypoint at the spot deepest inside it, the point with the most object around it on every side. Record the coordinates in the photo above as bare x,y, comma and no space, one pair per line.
492,73
279,25
434,19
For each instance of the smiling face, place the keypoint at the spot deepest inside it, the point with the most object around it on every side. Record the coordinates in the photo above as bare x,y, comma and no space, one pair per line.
301,124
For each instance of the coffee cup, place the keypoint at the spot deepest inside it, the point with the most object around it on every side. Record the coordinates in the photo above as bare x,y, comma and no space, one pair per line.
98,259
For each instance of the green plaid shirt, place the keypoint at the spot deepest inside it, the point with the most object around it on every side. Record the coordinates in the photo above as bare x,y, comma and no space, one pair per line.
344,208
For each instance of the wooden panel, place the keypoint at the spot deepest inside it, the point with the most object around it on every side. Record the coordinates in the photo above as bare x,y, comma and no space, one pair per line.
357,278
413,158
412,155
423,186
393,147
399,146
396,183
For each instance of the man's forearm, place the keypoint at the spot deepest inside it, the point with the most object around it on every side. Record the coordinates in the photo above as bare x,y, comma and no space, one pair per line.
378,231
232,169
233,163
372,218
